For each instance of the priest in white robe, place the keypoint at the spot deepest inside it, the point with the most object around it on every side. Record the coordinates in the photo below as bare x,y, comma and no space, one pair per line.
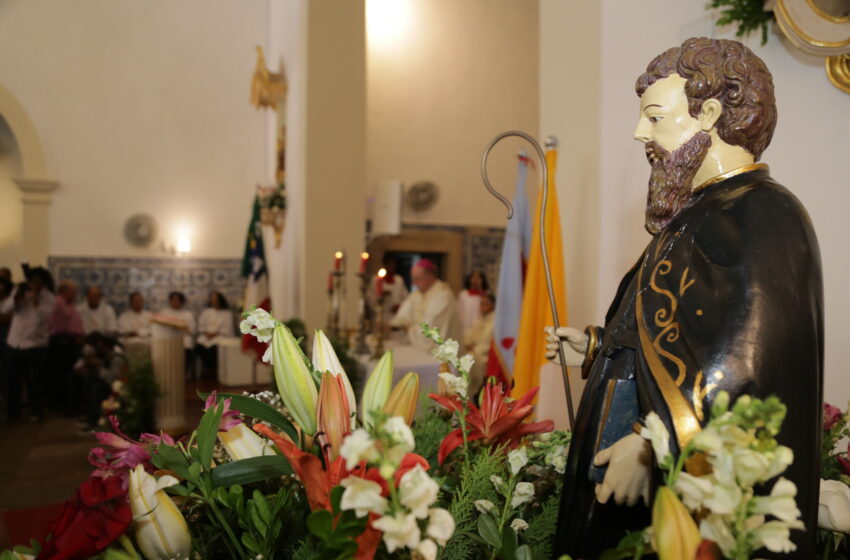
432,302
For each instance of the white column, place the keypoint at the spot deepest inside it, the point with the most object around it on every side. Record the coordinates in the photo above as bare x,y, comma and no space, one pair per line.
168,361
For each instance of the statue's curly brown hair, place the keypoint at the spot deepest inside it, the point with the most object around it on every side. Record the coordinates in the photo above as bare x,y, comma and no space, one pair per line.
729,72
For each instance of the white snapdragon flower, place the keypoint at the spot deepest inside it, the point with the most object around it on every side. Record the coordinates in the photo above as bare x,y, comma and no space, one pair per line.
497,482
834,506
400,530
715,528
417,491
427,549
447,352
260,324
693,490
781,458
656,432
708,441
441,525
750,466
358,446
517,459
724,498
557,460
523,492
484,506
402,440
268,355
456,384
519,525
466,362
776,536
363,496
780,503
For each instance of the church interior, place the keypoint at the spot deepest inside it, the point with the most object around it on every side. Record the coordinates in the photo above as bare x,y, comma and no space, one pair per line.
149,148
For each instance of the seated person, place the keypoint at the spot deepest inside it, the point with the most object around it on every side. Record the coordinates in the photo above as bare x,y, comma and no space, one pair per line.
432,302
215,321
102,363
477,341
177,310
97,315
134,325
469,299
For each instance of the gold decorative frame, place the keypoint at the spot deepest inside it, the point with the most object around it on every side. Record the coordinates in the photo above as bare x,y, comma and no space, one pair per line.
838,71
267,88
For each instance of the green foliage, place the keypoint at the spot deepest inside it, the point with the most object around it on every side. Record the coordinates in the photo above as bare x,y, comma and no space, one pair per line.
252,469
138,400
257,409
429,429
474,484
542,524
830,468
831,546
748,15
335,531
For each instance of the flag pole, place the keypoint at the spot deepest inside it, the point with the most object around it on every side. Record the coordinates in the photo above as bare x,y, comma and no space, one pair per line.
551,142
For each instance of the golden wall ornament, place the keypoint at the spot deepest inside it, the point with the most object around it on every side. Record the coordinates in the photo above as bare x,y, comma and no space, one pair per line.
268,89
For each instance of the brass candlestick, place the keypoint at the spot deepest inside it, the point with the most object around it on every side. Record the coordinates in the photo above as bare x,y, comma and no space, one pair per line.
379,327
364,318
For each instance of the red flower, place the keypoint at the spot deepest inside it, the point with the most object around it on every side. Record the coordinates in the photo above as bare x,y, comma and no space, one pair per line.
91,521
121,454
497,422
831,416
708,550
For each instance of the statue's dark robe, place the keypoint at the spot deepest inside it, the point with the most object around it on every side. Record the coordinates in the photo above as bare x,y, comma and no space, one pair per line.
727,297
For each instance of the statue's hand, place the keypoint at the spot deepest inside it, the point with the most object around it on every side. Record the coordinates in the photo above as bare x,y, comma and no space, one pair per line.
574,349
627,478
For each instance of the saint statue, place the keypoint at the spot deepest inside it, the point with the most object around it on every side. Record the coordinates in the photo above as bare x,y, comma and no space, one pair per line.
727,296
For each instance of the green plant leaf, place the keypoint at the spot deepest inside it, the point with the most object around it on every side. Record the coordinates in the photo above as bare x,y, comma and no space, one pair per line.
170,458
523,553
251,543
262,506
489,531
208,433
253,469
320,524
336,498
259,410
509,544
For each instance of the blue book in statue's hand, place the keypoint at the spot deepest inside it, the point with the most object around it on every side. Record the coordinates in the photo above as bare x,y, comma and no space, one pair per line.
619,413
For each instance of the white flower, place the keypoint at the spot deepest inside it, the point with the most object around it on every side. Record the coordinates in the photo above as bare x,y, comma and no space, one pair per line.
782,457
497,482
724,498
161,530
400,530
750,466
693,490
484,506
358,446
447,351
656,432
518,458
557,459
715,528
466,362
417,491
455,383
268,355
241,442
523,492
401,437
780,503
519,525
260,324
776,536
834,506
441,525
363,496
427,549
430,332
708,441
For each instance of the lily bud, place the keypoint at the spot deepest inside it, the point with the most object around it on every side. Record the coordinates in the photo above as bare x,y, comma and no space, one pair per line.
241,442
325,359
675,532
294,381
403,398
332,413
161,531
377,388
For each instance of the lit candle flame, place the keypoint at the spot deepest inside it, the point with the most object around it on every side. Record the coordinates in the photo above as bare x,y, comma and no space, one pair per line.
338,254
382,273
364,255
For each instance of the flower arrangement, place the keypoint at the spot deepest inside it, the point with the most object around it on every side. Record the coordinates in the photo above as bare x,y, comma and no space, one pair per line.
311,471
834,499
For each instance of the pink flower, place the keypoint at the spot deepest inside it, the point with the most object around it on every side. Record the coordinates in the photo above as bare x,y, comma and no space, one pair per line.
119,454
229,418
831,416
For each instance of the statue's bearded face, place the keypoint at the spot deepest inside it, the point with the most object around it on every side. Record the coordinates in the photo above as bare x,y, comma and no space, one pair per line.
675,147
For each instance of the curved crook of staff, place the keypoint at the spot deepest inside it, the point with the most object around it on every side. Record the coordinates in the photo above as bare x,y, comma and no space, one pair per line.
542,228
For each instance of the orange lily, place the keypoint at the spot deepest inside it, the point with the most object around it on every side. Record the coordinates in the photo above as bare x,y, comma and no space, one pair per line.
497,421
332,414
403,398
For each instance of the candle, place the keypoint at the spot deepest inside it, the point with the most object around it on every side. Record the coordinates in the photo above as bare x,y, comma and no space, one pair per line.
330,282
379,285
364,259
337,260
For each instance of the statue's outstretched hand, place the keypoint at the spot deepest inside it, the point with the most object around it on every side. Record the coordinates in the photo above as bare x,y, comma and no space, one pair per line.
574,349
627,478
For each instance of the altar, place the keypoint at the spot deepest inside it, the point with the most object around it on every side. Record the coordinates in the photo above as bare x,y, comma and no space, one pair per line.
408,358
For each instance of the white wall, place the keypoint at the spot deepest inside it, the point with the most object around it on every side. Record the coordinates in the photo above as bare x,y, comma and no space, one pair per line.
141,107
11,209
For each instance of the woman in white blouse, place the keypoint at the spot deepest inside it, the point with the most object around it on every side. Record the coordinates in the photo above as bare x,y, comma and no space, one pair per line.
214,322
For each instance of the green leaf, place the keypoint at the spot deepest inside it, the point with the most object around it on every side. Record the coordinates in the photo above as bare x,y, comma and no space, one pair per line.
170,458
195,473
262,506
523,553
259,410
320,523
253,469
208,433
336,498
259,524
489,531
251,543
509,544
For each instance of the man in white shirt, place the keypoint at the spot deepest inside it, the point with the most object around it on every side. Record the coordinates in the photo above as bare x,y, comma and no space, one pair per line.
97,315
432,302
27,341
134,325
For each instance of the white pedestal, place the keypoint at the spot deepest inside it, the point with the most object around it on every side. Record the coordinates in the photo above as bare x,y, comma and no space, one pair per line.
168,360
236,368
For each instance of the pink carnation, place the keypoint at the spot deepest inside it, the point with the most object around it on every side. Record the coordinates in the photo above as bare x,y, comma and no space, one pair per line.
831,416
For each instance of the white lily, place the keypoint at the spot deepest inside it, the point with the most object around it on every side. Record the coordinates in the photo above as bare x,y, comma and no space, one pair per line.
161,531
241,442
294,381
377,389
325,359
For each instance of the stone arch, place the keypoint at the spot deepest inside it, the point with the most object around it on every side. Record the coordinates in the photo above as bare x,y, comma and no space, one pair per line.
32,154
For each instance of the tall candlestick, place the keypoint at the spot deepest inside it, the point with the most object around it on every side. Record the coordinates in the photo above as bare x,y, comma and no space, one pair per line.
379,285
364,259
337,260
